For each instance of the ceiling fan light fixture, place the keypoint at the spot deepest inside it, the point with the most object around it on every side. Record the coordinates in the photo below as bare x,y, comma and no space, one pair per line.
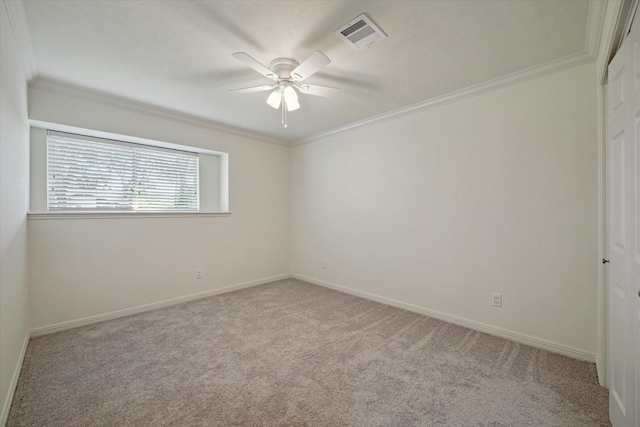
292,105
291,98
290,94
274,99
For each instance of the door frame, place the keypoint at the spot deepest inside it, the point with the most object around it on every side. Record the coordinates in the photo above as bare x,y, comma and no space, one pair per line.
616,23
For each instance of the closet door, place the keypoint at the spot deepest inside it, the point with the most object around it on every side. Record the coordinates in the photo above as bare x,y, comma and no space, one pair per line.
623,150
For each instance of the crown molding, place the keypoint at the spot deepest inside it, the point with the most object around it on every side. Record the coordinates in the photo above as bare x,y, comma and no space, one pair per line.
551,67
595,23
17,17
18,21
79,92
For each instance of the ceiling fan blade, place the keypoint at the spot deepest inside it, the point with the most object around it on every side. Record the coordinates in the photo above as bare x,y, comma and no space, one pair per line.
326,91
310,66
253,89
249,61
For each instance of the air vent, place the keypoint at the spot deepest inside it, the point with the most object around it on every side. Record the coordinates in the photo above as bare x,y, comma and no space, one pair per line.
360,32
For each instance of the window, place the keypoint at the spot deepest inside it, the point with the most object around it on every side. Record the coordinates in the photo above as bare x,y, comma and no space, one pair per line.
94,174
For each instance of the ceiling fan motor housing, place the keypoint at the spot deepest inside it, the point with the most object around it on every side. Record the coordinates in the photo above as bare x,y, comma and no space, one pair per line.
282,67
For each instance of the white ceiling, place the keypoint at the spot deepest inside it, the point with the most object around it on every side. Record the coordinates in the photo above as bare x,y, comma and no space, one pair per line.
177,54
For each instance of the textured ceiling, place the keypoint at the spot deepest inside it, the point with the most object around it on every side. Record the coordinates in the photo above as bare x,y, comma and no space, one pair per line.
177,54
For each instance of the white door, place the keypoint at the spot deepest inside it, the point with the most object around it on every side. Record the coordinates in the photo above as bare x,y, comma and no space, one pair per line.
623,150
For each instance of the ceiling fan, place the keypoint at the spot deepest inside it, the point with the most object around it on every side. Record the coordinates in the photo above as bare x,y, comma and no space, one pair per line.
288,73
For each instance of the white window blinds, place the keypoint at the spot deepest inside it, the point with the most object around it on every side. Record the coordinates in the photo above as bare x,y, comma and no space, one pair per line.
93,174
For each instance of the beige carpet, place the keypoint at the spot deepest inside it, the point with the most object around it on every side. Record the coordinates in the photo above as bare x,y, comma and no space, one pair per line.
294,354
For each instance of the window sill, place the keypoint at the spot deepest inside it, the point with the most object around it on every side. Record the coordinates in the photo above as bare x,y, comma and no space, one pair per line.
121,215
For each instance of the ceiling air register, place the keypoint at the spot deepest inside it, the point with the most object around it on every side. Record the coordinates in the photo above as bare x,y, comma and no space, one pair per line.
360,32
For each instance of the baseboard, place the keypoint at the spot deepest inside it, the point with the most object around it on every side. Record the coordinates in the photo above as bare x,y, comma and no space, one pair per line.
554,347
471,324
63,326
6,405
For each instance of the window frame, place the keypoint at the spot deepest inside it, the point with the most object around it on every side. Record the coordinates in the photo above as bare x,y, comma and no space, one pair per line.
215,192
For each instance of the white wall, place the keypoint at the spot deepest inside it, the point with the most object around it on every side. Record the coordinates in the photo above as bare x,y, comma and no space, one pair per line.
440,208
86,267
14,196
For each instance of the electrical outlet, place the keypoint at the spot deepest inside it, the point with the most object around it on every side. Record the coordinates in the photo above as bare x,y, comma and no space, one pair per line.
497,300
324,264
198,273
